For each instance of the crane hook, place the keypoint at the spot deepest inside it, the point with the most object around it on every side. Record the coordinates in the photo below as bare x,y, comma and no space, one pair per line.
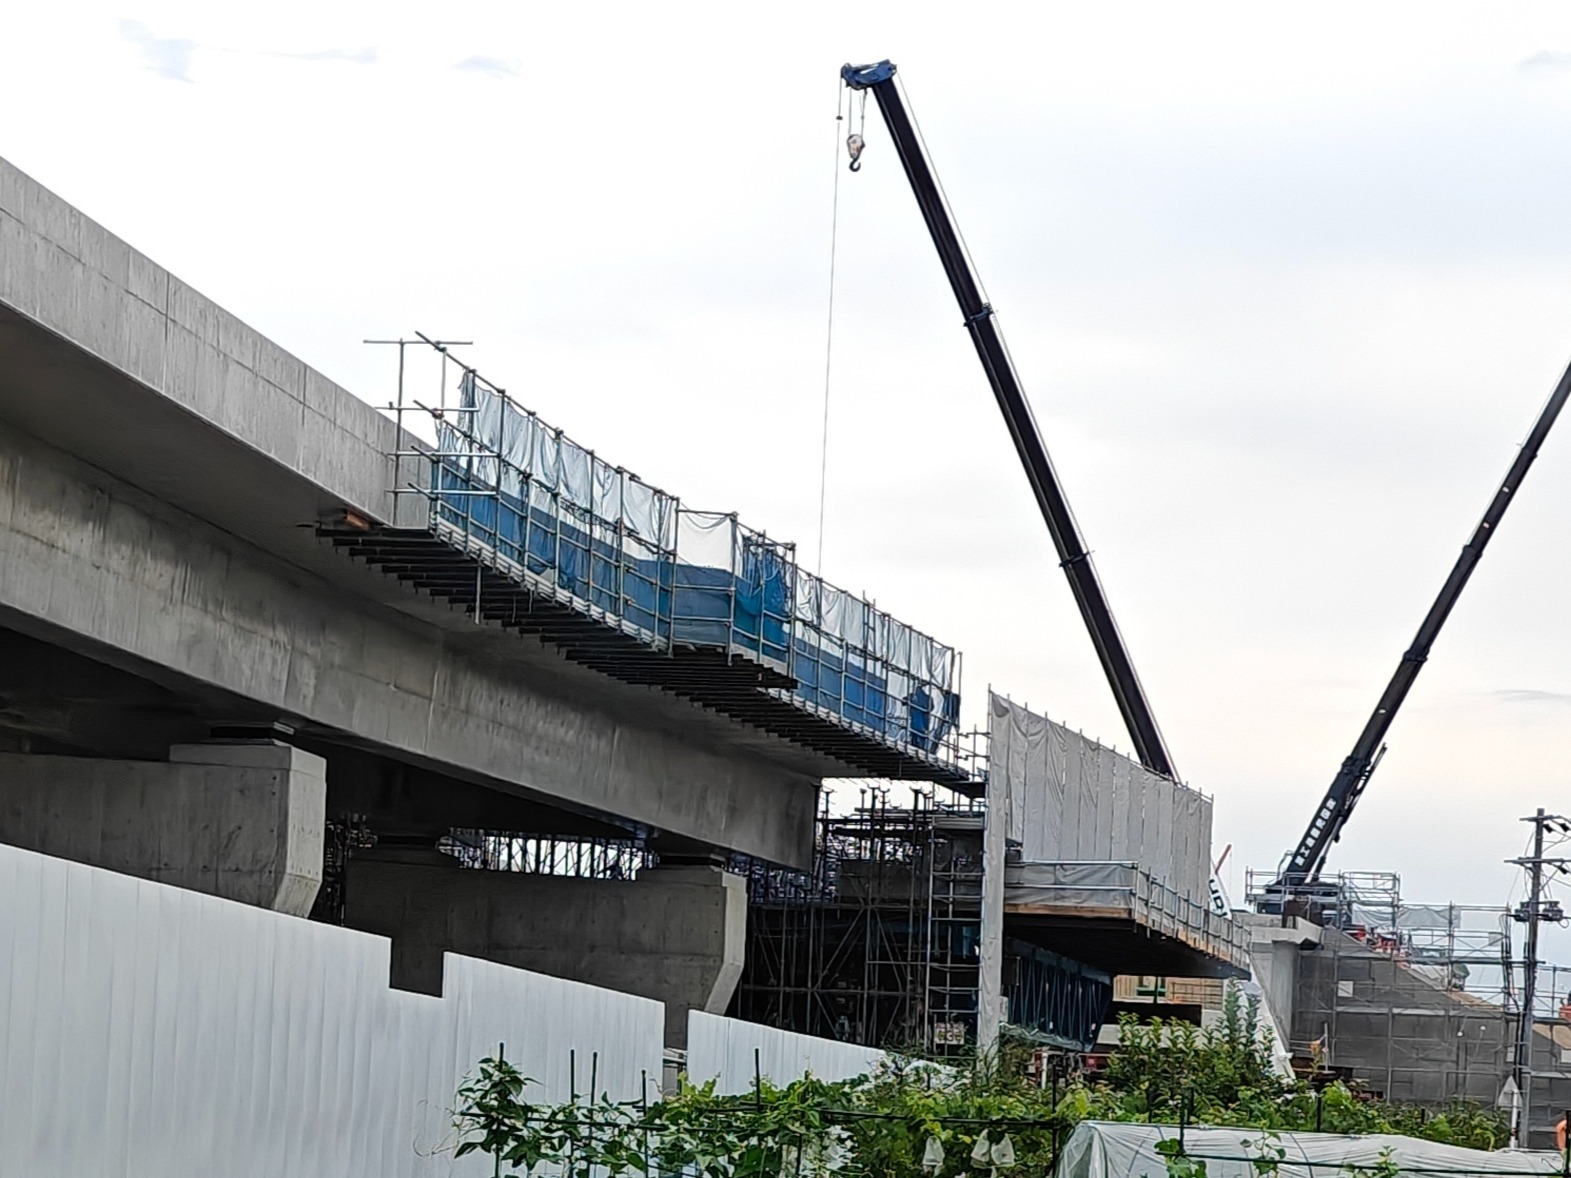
854,144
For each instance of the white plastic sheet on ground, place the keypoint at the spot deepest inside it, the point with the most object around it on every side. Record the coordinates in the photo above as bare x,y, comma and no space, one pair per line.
1102,1149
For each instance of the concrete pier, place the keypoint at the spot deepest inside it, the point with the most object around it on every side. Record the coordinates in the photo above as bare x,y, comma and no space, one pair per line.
242,821
675,933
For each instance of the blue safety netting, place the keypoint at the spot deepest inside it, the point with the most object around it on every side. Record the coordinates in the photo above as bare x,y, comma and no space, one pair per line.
860,663
551,508
550,511
733,588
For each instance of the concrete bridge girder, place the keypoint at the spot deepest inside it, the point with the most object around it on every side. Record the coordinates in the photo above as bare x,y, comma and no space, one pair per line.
197,454
98,566
163,471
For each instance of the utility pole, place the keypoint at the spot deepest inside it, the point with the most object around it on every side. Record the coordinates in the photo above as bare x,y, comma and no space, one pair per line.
1530,913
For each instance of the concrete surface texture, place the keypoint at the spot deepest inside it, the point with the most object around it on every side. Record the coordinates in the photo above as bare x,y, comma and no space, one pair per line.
108,568
241,821
162,470
675,934
1274,946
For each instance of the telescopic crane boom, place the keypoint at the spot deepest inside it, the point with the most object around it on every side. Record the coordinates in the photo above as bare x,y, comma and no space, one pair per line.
1072,555
1303,865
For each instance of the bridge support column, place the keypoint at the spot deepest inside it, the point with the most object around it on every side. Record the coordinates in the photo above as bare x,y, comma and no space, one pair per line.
675,933
243,821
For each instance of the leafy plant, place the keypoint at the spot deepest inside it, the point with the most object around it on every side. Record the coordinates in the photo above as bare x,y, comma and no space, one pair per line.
1385,1166
1179,1164
494,1119
911,1118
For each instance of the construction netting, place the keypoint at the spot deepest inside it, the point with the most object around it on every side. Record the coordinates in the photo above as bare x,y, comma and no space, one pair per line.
546,506
553,513
1070,799
876,672
733,588
1103,1149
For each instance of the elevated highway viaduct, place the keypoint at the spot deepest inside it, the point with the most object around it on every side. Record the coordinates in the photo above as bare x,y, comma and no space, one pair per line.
197,687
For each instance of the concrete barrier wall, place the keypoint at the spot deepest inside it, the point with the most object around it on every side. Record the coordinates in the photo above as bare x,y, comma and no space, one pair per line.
152,1032
723,1049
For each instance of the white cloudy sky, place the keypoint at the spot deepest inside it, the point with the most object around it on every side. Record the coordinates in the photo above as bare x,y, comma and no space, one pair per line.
1287,283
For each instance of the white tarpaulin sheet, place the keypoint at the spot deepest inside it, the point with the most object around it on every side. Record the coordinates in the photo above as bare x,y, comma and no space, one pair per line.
1069,799
1101,1149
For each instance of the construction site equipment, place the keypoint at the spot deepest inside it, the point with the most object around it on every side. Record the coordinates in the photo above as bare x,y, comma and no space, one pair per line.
518,524
1073,557
880,943
1303,864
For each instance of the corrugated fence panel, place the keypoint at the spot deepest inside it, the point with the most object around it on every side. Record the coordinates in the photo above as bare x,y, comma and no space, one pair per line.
150,1032
722,1049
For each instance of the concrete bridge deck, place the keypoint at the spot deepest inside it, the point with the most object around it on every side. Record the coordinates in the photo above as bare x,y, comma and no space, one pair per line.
164,470
197,687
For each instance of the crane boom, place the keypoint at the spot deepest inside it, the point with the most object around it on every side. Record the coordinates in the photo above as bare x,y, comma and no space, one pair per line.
1304,864
1073,557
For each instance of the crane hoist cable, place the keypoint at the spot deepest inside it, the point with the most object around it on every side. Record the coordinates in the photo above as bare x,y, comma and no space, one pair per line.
856,141
841,107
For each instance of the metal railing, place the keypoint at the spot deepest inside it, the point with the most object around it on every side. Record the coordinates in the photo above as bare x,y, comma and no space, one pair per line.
1125,886
522,498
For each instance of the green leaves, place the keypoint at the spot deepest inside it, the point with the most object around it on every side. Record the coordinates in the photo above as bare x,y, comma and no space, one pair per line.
912,1119
1179,1164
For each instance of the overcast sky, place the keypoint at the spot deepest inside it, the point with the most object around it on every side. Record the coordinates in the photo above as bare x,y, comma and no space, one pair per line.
1287,285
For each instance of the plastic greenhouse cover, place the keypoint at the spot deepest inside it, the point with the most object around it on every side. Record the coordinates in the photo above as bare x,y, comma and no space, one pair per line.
1102,1149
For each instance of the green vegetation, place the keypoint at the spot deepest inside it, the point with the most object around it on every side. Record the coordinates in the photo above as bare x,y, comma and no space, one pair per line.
914,1118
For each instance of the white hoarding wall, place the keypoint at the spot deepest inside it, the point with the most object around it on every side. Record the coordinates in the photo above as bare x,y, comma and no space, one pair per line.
151,1032
723,1049
1069,799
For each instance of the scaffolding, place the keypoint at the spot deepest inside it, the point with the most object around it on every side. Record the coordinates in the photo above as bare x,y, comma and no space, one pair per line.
1457,947
1421,1003
572,856
879,943
1410,1030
